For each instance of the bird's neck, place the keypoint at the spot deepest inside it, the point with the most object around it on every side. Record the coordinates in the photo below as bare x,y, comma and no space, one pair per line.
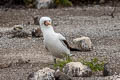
48,30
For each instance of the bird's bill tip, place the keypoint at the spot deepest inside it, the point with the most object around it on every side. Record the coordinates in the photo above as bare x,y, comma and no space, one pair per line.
47,23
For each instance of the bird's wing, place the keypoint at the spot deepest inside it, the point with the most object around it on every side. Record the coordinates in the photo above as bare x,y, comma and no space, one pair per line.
61,36
45,45
65,43
63,40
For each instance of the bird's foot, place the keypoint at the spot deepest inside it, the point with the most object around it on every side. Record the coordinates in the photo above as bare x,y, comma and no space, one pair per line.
55,61
71,55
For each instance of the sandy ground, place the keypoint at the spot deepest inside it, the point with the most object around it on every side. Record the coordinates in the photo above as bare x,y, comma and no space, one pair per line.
93,22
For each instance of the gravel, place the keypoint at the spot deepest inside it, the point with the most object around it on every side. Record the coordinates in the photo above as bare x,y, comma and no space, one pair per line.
93,22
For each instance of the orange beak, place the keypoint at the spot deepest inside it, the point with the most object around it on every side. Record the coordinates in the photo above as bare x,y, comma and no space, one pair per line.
47,23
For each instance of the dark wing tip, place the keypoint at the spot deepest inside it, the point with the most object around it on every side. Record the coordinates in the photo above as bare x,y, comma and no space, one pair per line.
67,45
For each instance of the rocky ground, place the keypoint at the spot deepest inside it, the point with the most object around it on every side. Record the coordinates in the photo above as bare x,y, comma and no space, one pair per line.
21,56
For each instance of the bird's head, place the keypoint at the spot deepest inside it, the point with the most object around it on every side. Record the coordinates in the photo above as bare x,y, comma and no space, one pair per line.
46,25
45,21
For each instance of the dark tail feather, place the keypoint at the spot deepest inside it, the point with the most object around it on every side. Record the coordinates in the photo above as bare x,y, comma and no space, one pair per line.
74,49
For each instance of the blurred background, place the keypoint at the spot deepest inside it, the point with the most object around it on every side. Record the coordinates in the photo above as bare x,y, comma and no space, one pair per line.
56,3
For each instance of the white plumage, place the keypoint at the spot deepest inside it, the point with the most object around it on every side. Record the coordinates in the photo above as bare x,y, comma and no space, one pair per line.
53,41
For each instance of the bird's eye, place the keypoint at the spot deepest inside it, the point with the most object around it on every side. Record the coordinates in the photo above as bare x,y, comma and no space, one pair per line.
44,22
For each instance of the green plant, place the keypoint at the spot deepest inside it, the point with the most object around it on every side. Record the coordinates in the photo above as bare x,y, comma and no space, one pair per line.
95,64
62,63
63,3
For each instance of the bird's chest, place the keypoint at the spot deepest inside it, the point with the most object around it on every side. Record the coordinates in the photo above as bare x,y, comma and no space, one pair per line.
50,39
53,43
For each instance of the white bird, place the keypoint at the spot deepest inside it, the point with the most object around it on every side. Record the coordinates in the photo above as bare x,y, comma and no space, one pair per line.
54,42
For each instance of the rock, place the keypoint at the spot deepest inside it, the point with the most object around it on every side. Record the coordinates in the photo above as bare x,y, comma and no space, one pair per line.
107,71
1,34
19,32
118,77
83,43
36,32
5,65
43,74
102,1
114,77
21,61
77,69
32,76
36,20
61,76
18,27
43,3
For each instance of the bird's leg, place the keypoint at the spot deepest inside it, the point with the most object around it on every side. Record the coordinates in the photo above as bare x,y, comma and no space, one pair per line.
55,62
66,58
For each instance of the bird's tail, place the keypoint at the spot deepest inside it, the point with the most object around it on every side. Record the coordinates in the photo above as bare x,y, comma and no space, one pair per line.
75,49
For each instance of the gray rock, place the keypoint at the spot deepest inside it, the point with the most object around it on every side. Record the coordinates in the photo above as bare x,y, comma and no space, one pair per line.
37,32
61,76
43,3
20,62
77,69
5,65
32,76
43,74
118,77
19,32
114,77
36,20
83,43
1,34
107,71
18,27
102,1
